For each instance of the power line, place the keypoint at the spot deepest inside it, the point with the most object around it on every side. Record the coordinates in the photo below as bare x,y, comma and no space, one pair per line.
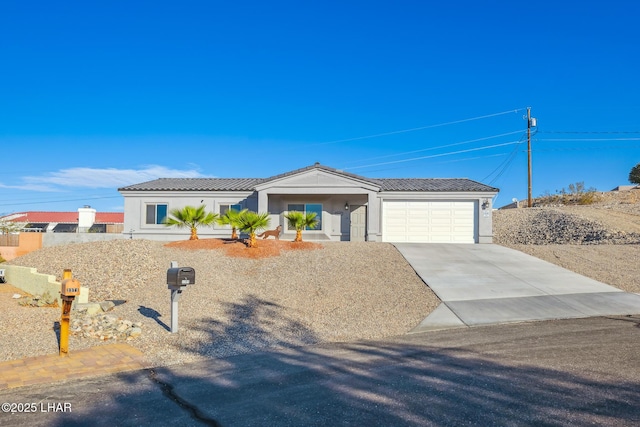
585,139
507,166
441,162
439,147
610,147
56,201
436,155
590,132
470,158
419,128
502,167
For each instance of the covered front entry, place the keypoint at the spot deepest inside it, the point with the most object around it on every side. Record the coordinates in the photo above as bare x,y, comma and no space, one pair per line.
347,205
426,221
342,217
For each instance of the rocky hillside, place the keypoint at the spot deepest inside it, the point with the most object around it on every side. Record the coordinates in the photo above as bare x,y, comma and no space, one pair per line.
614,218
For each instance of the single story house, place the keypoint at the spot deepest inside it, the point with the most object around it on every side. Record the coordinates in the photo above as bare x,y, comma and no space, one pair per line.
350,207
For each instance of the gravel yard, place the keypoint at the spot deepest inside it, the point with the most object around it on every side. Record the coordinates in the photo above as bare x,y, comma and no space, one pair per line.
311,294
289,294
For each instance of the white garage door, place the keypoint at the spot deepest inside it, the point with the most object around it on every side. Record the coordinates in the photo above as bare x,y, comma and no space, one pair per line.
428,221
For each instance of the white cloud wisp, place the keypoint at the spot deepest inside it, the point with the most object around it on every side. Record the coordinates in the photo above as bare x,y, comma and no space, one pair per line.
99,178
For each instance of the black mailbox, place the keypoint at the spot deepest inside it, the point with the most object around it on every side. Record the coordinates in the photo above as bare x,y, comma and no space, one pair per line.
181,276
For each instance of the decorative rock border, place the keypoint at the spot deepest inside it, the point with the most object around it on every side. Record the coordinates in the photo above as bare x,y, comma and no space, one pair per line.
104,327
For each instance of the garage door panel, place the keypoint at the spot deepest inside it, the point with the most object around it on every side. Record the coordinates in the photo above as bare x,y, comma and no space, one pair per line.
459,226
415,223
429,221
419,231
441,239
442,221
398,231
395,222
463,225
440,229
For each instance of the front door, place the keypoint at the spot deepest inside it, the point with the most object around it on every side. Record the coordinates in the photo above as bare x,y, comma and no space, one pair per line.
358,227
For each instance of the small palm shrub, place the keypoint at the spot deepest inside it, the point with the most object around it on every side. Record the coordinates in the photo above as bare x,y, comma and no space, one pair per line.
190,217
301,221
231,217
250,222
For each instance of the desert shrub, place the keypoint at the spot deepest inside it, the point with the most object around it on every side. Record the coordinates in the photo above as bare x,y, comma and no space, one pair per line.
588,198
44,300
548,199
576,194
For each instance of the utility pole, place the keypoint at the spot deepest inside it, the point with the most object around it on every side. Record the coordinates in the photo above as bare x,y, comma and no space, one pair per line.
529,199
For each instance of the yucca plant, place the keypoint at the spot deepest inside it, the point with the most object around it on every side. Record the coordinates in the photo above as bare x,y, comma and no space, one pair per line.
251,221
190,217
301,221
231,217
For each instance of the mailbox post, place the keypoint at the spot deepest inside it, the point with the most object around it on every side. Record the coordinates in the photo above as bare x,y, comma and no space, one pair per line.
69,289
177,280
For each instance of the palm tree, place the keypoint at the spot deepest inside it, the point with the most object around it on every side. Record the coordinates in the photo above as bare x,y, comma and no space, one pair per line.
250,222
231,218
190,217
301,221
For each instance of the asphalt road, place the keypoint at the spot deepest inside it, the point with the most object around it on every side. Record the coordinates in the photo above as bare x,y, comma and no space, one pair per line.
567,372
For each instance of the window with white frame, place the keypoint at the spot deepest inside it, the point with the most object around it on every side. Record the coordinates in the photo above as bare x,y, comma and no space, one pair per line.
156,213
307,208
225,208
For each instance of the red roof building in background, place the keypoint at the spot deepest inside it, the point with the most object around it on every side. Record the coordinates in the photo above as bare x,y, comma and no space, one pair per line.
24,232
64,217
85,220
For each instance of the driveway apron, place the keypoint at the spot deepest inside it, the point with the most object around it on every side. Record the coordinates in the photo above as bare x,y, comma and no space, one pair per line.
488,284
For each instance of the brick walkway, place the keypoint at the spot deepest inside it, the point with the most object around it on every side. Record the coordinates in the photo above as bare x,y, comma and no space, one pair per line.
95,361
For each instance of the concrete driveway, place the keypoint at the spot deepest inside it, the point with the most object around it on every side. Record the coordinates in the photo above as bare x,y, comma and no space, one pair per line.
489,284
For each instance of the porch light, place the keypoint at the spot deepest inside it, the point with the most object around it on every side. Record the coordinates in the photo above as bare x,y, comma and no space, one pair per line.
485,204
346,206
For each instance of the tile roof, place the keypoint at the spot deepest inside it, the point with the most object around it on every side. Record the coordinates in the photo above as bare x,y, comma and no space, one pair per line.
432,184
66,217
196,184
109,218
249,184
320,167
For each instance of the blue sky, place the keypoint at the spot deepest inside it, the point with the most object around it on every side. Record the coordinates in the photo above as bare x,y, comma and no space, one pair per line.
98,95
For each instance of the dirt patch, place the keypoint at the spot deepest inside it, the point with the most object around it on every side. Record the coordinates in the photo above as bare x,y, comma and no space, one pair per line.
10,289
609,217
239,249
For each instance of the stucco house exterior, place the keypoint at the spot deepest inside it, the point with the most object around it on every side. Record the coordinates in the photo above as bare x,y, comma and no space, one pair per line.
350,207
